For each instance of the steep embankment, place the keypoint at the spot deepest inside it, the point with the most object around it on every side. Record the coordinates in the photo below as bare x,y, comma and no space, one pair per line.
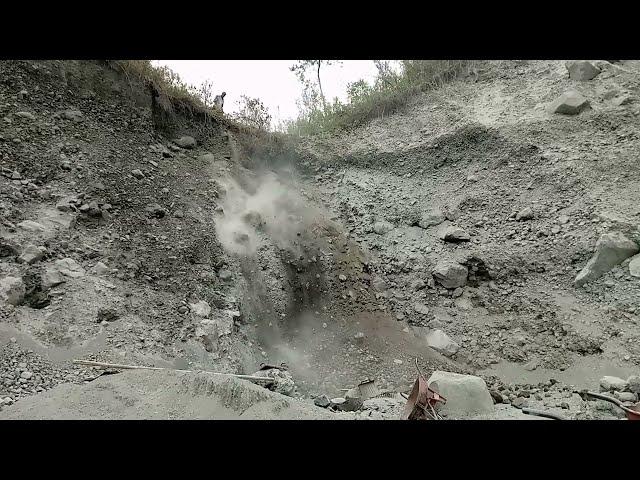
475,155
125,221
130,240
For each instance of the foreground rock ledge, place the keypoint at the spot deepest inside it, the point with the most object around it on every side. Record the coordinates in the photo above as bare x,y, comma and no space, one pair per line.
163,395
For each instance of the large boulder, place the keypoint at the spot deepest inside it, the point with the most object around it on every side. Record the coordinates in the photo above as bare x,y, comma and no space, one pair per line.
60,271
155,210
32,254
610,384
450,274
73,115
569,103
524,214
582,70
282,381
611,249
465,394
207,158
12,290
31,226
454,234
431,218
382,227
201,308
440,341
186,142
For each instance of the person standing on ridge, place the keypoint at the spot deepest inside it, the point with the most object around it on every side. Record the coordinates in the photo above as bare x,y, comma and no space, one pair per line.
219,100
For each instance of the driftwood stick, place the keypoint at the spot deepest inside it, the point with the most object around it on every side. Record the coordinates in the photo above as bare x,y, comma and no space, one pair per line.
541,413
140,367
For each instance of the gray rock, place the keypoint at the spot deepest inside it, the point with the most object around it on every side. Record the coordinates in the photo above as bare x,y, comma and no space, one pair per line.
94,210
207,157
155,210
570,103
431,218
60,271
450,274
51,278
353,401
379,284
322,401
137,173
282,381
622,100
465,394
74,115
611,249
27,115
382,227
201,308
342,278
67,204
454,234
440,341
524,214
497,396
626,396
107,315
421,308
225,275
186,142
32,254
69,268
582,70
634,384
101,268
12,290
31,226
26,375
609,383
634,266
418,285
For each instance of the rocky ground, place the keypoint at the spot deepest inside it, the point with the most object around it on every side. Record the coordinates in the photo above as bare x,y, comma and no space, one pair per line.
453,233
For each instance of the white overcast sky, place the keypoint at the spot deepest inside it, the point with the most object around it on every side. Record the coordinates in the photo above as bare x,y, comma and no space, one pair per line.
269,80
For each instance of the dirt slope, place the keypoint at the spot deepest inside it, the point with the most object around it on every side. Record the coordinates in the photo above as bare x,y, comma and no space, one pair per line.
482,153
319,261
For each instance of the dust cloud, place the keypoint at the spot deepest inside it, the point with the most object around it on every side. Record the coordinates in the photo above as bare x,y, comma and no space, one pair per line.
267,206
